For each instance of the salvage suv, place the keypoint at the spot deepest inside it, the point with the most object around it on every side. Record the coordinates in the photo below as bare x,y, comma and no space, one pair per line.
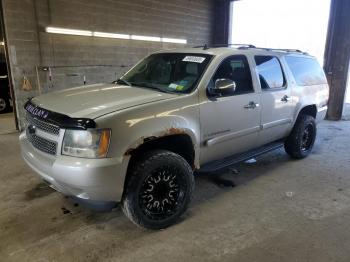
140,140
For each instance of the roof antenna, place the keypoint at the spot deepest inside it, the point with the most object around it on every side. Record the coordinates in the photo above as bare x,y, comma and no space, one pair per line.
205,47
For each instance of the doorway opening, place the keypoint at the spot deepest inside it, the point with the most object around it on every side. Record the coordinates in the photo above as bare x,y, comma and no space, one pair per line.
294,24
346,109
8,123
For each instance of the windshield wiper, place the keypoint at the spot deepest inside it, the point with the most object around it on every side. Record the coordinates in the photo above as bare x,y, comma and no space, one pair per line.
147,85
123,82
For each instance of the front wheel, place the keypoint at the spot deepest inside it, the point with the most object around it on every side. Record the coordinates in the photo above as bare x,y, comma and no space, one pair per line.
302,138
158,190
4,105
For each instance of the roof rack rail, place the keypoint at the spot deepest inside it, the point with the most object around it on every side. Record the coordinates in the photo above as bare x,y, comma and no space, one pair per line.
283,49
248,46
240,46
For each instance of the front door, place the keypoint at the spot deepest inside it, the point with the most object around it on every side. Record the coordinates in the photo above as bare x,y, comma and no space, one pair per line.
230,123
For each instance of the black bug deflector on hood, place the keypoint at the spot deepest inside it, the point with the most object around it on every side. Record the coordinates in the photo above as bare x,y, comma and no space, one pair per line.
61,120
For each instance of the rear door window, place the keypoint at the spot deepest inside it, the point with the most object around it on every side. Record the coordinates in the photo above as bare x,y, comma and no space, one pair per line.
306,71
270,72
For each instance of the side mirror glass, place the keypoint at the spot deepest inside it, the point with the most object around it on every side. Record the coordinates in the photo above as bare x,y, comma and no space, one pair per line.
223,86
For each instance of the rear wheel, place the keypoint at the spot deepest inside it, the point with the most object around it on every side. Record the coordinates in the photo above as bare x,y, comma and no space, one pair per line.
302,138
159,189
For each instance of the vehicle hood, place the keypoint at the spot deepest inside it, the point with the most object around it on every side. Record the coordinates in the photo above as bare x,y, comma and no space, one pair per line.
96,100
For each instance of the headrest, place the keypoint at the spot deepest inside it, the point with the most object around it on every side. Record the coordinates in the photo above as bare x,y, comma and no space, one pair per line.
225,71
192,69
240,74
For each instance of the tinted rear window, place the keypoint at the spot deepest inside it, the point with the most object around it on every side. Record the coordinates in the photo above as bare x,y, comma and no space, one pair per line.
306,71
270,72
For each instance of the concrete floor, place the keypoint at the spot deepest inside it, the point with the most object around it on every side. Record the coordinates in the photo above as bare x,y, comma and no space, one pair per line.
280,210
346,112
7,123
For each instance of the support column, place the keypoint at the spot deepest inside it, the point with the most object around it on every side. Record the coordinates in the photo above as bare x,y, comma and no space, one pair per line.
221,22
337,56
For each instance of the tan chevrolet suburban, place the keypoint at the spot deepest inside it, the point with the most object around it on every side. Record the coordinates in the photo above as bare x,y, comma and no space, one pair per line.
139,140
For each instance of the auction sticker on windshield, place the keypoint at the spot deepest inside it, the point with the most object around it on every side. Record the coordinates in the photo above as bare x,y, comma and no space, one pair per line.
194,59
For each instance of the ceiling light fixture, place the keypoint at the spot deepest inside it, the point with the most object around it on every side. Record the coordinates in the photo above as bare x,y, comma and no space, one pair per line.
111,35
67,31
174,40
146,38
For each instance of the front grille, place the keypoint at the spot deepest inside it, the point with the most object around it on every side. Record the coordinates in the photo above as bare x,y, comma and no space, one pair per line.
42,144
47,127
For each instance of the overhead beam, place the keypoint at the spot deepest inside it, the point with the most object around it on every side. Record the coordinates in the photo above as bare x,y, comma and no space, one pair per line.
337,56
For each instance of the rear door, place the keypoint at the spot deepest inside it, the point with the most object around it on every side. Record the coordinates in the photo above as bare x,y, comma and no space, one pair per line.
276,99
230,123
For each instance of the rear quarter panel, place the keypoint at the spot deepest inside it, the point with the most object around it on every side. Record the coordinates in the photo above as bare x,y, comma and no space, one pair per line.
310,95
303,96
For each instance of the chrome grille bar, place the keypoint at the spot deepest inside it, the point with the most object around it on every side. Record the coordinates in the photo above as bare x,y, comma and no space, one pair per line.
47,127
42,144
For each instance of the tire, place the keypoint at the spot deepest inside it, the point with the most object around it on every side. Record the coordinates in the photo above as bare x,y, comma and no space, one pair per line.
4,105
302,138
158,190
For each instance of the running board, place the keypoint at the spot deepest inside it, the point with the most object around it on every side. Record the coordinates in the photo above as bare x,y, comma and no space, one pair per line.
238,158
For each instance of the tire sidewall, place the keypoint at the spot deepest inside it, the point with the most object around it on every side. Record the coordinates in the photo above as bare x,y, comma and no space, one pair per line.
307,121
294,141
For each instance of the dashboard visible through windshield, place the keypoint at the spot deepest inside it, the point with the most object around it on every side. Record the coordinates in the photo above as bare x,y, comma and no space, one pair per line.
168,72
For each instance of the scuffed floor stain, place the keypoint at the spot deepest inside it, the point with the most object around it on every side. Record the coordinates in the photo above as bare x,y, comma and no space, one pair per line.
223,182
335,128
40,190
65,211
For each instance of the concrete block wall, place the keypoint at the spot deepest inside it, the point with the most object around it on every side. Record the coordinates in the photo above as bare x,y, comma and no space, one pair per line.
31,49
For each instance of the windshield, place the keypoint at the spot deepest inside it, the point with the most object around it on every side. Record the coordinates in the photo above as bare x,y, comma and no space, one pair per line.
168,72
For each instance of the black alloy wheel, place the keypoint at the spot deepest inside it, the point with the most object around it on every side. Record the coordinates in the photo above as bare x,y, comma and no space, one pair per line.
158,189
161,192
301,140
307,138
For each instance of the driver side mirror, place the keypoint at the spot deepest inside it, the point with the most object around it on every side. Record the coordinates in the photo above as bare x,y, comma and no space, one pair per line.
224,86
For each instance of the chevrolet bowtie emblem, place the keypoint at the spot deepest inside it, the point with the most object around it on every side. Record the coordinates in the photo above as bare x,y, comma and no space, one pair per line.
31,129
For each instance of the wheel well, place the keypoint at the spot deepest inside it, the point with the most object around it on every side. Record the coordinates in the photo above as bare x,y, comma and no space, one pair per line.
180,144
310,110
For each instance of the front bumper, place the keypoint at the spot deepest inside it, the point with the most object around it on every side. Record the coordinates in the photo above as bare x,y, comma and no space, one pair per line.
89,179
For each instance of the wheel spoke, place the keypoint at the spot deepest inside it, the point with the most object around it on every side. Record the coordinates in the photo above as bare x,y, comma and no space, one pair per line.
161,193
307,138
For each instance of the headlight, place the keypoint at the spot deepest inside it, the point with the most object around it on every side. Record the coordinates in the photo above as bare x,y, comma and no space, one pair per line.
92,143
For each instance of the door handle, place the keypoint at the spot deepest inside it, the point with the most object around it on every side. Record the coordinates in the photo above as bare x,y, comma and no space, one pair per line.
251,105
285,98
